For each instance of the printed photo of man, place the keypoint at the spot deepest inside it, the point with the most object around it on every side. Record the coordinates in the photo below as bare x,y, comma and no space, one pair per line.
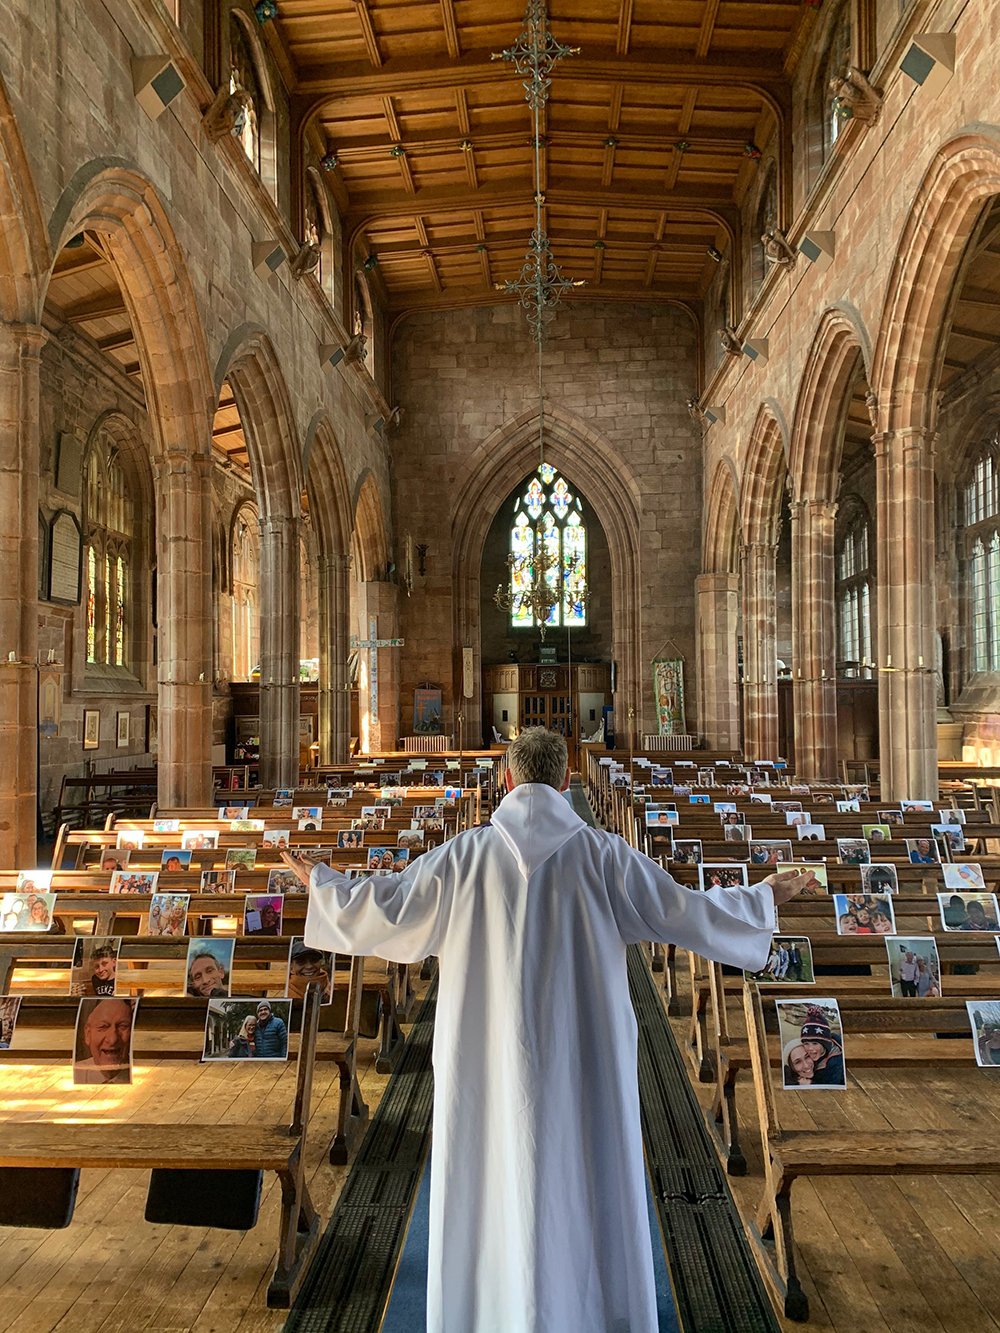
103,1048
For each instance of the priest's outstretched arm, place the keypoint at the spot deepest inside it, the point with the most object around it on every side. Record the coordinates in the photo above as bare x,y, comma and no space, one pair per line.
730,925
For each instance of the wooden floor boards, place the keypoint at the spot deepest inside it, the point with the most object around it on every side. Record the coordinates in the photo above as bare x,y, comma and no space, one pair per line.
110,1271
880,1254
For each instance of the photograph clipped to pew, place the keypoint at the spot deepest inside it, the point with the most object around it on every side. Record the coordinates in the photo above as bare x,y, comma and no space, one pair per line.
200,840
951,816
413,839
812,1045
131,839
864,914
114,858
795,815
168,914
26,911
879,877
810,832
914,967
876,832
953,835
968,911
891,817
916,807
388,858
736,833
208,968
276,838
247,1029
350,840
984,1016
722,874
166,826
9,1005
923,851
233,812
173,860
102,1047
134,882
963,875
246,826
769,851
819,879
659,816
34,881
262,913
850,805
853,851
686,851
307,966
283,881
218,881
790,963
241,858
283,798
94,969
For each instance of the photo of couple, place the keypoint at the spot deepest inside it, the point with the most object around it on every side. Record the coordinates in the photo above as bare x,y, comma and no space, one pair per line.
247,1030
914,966
812,1045
968,911
790,963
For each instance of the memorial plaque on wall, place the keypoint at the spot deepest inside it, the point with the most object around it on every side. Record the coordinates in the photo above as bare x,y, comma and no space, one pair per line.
65,555
69,456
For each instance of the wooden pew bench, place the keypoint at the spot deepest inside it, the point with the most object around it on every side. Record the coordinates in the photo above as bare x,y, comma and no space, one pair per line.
43,1157
878,1034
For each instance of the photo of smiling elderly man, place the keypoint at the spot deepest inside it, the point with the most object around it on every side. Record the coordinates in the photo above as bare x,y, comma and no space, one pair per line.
102,1051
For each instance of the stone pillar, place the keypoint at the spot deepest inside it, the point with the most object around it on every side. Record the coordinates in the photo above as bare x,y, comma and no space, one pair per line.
184,628
717,601
379,619
904,490
814,640
760,651
20,358
279,651
334,686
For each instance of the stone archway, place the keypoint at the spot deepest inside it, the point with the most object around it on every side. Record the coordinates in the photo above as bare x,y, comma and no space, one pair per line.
764,472
116,202
250,365
492,470
717,592
840,349
962,178
330,511
374,615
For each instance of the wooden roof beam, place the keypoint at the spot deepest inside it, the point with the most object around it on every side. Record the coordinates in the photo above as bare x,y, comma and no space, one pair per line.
450,29
625,15
368,33
758,71
513,136
105,306
708,18
454,298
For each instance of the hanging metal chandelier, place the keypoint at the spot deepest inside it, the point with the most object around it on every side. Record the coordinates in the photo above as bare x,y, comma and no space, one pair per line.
539,581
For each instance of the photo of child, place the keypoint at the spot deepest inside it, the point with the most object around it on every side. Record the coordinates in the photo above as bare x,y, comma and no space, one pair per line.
812,1045
276,837
134,881
864,914
173,860
95,965
963,875
168,914
725,875
200,840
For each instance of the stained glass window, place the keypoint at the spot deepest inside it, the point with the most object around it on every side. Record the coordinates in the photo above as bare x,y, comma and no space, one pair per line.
243,78
549,522
120,609
91,605
855,649
108,523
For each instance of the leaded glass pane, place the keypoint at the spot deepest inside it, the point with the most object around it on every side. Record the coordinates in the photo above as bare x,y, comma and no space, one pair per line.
522,545
91,605
560,499
574,571
534,500
550,522
120,608
551,545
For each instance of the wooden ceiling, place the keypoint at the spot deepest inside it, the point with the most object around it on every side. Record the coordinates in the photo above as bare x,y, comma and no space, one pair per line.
644,135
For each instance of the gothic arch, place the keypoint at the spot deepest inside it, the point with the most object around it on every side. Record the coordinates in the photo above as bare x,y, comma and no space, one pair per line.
495,467
326,486
764,470
24,258
916,318
720,548
248,361
370,533
840,343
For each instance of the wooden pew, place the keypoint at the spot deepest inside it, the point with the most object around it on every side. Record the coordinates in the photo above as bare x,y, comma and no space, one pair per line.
878,1033
164,1145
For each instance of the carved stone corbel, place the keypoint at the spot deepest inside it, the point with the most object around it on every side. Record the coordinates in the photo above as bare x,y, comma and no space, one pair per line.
730,340
306,260
854,98
776,247
228,114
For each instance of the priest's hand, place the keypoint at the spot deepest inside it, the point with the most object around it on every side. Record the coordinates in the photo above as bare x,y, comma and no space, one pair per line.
789,884
298,865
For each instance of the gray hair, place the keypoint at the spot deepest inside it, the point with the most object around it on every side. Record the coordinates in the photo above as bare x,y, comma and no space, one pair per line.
538,755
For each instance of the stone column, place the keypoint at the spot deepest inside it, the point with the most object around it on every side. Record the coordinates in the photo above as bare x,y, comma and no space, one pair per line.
279,651
334,696
760,651
814,639
184,627
717,601
20,358
904,491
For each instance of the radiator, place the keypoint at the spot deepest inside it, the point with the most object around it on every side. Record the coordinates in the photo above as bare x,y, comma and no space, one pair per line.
679,741
426,744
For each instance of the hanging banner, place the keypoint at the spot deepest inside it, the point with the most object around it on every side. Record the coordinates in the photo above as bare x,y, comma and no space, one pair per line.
668,691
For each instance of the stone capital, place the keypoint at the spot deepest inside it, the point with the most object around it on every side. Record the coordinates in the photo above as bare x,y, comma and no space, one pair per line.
24,341
178,462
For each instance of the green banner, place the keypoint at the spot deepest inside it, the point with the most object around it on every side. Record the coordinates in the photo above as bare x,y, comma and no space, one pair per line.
668,691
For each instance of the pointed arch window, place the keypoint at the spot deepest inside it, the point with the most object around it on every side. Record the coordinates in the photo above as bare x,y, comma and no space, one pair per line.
243,78
109,531
549,521
980,513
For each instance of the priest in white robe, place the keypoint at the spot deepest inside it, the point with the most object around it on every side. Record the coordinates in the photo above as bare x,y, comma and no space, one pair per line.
538,1218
